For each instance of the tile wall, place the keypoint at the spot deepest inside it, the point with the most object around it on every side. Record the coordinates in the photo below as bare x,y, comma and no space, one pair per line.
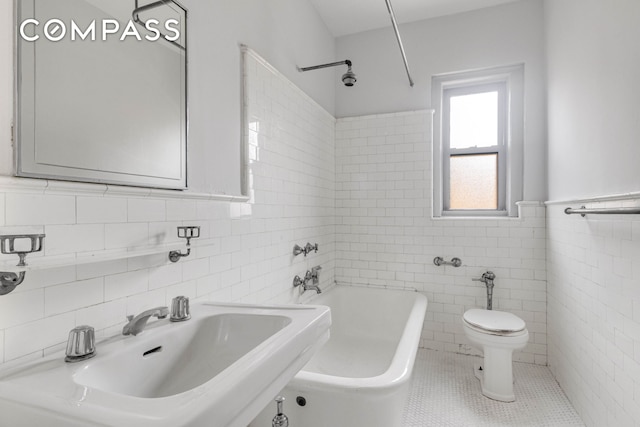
360,187
594,311
386,236
244,254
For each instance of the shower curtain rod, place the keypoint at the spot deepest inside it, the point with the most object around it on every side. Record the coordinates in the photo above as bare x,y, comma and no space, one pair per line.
395,28
605,211
139,9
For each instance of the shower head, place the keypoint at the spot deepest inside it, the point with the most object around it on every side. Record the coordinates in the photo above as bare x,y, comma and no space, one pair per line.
348,78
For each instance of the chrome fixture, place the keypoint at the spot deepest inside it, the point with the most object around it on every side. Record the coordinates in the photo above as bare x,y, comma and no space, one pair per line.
185,232
81,344
137,324
280,420
312,276
456,262
487,279
10,280
583,211
139,9
395,29
308,248
180,309
348,78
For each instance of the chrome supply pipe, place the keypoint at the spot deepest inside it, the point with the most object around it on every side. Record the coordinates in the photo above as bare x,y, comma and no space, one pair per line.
488,278
455,262
395,28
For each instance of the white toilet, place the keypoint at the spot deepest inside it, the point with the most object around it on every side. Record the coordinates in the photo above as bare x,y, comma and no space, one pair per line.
498,334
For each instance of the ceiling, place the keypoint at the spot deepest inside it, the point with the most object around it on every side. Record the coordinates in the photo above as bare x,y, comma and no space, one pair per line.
344,17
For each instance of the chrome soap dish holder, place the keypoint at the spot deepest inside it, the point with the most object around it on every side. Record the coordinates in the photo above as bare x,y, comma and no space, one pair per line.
10,280
185,232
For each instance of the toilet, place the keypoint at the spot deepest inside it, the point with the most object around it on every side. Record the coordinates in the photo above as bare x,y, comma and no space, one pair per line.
498,334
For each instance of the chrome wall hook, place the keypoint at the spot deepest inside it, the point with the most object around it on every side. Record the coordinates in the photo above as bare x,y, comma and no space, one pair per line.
185,232
10,280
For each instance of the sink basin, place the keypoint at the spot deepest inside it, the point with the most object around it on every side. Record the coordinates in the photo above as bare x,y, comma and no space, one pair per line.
218,369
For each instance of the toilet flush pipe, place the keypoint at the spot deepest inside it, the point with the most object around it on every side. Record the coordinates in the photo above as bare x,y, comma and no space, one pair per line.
489,294
487,279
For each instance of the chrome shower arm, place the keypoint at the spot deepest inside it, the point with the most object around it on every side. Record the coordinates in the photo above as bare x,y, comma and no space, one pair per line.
332,64
348,78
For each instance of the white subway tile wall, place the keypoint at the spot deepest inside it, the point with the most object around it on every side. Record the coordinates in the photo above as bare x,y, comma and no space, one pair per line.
594,311
248,253
359,187
386,236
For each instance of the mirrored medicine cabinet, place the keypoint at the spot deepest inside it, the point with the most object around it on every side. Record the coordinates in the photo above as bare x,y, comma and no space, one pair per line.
101,91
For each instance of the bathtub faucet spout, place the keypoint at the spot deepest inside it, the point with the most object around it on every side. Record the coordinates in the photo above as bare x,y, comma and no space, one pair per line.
312,276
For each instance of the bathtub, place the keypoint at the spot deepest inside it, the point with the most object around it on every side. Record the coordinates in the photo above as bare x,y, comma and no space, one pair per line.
361,376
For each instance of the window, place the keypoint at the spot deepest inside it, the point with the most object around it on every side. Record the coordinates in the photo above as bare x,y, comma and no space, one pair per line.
478,135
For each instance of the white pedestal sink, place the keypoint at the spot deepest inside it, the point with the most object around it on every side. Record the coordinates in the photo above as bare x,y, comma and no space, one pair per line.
218,369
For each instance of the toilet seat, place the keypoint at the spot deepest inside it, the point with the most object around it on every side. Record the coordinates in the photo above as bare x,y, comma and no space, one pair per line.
494,322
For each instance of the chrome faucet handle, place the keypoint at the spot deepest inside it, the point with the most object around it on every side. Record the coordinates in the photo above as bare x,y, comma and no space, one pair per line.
309,247
315,274
297,281
81,344
297,250
308,276
180,309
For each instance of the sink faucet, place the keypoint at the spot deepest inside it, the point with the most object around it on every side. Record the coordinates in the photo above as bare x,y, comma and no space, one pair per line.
137,324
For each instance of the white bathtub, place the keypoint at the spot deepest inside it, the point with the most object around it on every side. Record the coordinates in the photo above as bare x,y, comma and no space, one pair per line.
361,376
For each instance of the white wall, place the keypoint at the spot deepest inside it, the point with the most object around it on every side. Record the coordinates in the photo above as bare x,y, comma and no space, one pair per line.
385,235
594,64
593,262
502,35
286,33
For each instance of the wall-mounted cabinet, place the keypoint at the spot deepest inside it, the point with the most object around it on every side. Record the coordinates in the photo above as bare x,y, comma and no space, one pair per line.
102,91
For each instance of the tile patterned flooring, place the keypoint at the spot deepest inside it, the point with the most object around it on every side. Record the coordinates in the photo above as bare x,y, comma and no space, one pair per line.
445,393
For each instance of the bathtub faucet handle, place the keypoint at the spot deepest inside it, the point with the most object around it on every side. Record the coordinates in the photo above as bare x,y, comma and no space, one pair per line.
309,248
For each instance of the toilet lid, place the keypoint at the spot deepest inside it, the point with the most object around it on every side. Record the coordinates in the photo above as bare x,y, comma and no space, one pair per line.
493,320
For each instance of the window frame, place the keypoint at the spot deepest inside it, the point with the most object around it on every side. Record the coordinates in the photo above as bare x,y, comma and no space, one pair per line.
509,83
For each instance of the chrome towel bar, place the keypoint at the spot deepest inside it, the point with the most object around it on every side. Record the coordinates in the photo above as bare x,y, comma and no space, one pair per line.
603,211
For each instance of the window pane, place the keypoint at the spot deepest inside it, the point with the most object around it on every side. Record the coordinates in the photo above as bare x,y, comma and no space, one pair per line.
473,181
473,120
